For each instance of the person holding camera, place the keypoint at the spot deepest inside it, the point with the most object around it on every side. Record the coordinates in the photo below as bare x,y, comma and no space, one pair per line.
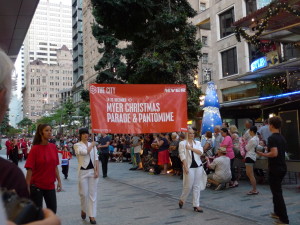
42,171
6,67
88,174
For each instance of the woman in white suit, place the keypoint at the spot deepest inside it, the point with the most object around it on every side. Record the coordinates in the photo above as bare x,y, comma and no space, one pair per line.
87,175
189,153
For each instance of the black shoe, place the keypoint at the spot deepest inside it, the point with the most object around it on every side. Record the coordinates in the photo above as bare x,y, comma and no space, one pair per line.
180,203
104,176
133,168
83,215
93,221
197,209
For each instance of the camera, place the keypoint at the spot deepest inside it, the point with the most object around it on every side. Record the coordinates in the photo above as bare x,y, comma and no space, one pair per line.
20,210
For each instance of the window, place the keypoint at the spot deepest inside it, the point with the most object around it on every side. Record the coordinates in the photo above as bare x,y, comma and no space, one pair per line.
205,58
41,53
250,6
204,40
202,6
229,62
226,21
290,51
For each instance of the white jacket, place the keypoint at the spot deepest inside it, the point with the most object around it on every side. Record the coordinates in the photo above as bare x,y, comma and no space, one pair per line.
83,157
185,154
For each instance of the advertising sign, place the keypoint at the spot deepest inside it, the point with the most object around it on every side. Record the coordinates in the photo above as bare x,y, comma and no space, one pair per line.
138,108
259,63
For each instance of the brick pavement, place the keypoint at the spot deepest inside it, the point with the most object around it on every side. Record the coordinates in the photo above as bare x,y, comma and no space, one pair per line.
135,197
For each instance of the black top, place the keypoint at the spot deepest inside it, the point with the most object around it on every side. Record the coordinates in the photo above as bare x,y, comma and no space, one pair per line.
194,164
90,166
277,163
165,145
103,141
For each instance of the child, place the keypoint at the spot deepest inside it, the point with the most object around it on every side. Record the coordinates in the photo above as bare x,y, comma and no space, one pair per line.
66,156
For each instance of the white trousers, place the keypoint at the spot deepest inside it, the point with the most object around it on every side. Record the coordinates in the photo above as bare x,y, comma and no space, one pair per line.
192,181
87,187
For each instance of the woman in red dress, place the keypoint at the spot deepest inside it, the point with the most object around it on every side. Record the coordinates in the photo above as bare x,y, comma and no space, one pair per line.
42,171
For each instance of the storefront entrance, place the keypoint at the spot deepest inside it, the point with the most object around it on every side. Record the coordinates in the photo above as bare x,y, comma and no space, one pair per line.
290,130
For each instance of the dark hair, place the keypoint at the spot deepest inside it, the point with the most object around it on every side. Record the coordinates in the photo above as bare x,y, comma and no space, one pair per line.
182,136
253,129
226,124
83,131
275,122
208,134
38,134
225,130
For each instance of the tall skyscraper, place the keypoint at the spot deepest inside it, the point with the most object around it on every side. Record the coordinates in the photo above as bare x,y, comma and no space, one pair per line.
50,29
77,50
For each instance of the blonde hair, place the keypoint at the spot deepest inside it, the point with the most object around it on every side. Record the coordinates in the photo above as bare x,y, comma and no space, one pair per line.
233,129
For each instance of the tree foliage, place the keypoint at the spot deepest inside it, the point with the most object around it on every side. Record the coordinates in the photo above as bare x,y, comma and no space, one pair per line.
25,122
161,45
4,125
84,111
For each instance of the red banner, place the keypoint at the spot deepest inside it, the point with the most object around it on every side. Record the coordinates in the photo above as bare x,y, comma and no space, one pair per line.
138,108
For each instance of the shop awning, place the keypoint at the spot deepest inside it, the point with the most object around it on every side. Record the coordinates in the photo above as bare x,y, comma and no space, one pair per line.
290,65
15,19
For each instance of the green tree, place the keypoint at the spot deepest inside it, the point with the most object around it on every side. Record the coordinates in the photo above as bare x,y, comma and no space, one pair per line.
13,131
4,125
25,122
84,111
161,44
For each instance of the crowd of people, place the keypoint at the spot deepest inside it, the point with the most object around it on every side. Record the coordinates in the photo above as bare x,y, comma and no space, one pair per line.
201,161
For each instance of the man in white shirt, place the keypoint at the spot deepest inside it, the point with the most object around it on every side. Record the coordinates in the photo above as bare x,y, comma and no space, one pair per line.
265,131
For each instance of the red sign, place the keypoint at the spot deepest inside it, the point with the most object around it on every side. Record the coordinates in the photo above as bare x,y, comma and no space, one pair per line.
138,108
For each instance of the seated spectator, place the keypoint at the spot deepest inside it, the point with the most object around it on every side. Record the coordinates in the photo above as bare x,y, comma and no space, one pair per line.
174,154
222,173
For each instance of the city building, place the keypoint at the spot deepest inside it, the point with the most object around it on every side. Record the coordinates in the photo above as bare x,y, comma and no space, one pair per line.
276,70
50,29
223,57
14,24
45,82
90,50
77,50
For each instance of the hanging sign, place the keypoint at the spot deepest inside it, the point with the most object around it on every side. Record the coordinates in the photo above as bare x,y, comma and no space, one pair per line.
259,63
138,108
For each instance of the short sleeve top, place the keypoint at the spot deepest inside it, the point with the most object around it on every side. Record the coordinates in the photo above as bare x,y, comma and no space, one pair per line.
43,160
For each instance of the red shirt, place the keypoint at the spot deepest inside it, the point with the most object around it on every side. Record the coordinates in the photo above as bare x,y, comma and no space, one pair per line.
65,155
43,160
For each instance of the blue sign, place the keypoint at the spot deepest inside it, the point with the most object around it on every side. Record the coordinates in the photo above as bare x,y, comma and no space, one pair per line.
259,63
